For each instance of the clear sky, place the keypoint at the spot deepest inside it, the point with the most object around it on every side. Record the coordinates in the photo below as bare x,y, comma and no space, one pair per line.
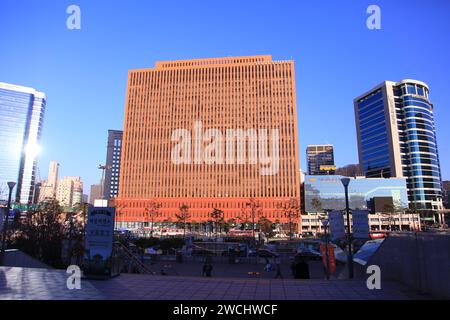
84,72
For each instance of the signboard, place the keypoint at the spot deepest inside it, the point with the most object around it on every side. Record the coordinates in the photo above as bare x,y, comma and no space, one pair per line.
99,241
331,257
327,167
100,203
24,207
360,224
337,228
9,218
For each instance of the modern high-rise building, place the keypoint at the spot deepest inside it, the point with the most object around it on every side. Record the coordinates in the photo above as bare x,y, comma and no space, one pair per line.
95,193
210,133
396,138
112,173
320,159
69,191
21,119
48,187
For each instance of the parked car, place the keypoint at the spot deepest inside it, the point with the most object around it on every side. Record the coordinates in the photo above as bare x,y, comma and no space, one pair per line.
378,234
201,252
263,253
309,255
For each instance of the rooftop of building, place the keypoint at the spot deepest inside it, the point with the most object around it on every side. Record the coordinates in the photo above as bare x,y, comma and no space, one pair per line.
207,62
23,89
214,61
392,83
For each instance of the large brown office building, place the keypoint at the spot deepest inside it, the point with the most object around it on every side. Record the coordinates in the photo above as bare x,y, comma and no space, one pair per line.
209,133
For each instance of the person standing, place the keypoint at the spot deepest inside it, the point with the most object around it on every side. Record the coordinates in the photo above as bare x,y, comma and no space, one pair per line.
208,270
205,267
300,269
278,269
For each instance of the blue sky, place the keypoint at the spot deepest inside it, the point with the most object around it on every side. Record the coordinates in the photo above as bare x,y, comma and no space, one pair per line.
84,72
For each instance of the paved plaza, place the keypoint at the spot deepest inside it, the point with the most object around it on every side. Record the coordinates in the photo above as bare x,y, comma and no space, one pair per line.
49,284
249,270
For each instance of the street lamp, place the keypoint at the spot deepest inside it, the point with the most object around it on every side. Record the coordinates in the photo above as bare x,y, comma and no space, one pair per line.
346,182
11,186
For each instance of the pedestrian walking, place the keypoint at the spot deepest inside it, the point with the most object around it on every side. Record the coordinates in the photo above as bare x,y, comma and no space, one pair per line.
209,268
268,266
300,268
278,269
204,269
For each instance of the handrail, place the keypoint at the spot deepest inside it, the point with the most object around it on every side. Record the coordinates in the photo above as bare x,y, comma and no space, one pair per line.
136,261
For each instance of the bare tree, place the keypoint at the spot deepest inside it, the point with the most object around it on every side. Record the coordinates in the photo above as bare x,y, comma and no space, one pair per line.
41,233
119,212
152,211
290,210
266,226
217,216
317,204
183,217
255,210
392,210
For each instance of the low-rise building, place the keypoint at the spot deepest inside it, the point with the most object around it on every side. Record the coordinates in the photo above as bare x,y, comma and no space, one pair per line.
311,222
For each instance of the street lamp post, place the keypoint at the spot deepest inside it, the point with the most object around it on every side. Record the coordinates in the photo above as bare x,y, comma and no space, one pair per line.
346,182
11,186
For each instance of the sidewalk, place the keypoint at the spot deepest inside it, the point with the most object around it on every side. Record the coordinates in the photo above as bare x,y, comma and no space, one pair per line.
49,284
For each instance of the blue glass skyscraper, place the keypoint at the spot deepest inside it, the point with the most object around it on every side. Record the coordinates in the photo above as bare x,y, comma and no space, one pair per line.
21,118
396,138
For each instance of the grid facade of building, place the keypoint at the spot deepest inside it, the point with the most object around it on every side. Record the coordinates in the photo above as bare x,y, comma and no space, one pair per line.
209,99
396,138
113,155
320,159
21,119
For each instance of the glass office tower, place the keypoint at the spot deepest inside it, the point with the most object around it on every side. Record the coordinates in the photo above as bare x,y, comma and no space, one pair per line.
396,138
21,118
320,159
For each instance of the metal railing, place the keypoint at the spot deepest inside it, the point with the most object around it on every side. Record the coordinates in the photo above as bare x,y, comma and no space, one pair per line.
130,259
